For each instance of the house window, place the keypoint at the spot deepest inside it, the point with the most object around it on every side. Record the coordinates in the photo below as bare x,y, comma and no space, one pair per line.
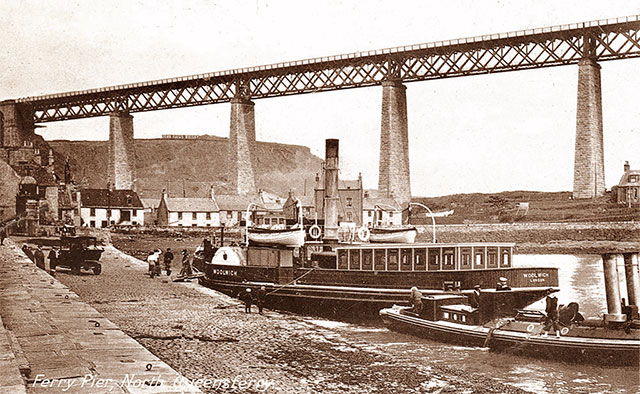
92,223
108,212
92,212
349,202
208,215
194,216
369,213
349,216
179,215
633,178
103,224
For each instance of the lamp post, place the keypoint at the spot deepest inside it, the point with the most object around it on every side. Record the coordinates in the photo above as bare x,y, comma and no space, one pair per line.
433,219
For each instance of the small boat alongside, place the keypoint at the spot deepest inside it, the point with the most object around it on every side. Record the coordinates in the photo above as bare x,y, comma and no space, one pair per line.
498,324
405,234
288,237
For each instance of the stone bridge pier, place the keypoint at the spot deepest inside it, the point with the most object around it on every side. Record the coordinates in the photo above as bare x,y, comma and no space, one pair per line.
16,124
122,155
242,141
393,178
588,171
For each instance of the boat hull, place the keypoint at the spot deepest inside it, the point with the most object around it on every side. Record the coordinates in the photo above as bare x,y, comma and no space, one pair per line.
609,351
331,291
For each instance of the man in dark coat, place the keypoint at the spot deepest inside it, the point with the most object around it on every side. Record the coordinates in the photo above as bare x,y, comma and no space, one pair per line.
186,264
247,298
474,298
38,256
552,313
261,296
168,258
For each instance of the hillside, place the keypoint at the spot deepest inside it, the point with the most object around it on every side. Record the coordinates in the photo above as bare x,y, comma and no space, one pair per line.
508,207
172,164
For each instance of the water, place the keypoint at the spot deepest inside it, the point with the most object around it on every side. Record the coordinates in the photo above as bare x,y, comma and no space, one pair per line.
581,280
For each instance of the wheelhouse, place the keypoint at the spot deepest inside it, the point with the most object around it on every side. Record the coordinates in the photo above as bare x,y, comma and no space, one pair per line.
436,257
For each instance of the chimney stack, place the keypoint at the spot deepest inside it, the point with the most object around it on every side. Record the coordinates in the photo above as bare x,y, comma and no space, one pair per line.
627,167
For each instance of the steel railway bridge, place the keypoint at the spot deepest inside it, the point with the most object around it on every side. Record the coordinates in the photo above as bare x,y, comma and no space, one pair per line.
585,44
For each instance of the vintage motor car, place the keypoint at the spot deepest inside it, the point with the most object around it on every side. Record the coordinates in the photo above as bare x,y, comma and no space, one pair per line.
77,253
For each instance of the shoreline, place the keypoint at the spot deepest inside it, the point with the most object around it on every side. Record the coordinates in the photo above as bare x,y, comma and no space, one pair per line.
207,335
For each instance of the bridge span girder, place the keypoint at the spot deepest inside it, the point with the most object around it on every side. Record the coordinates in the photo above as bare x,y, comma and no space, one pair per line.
536,48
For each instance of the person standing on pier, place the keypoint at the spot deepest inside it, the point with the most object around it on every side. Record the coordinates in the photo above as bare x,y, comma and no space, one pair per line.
168,258
38,256
3,234
247,299
261,296
152,259
158,266
186,264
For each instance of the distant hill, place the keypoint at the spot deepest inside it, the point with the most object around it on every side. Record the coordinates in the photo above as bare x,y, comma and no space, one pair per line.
523,206
172,164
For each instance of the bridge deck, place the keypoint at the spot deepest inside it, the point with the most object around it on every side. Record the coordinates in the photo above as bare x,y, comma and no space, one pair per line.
601,40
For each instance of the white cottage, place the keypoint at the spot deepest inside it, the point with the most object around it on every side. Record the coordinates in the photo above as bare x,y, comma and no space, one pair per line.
104,207
188,212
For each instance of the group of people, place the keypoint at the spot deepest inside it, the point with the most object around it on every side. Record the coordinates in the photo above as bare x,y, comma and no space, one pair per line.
156,259
249,298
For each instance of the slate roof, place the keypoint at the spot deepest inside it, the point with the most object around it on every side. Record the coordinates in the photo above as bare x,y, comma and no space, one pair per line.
103,198
150,202
235,202
186,204
624,180
385,203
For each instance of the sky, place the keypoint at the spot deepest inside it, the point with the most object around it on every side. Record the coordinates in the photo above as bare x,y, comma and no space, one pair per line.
487,133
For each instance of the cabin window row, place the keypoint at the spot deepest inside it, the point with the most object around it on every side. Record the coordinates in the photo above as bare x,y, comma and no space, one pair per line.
424,259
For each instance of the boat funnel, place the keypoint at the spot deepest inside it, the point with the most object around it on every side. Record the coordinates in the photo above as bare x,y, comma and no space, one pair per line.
612,288
331,197
633,278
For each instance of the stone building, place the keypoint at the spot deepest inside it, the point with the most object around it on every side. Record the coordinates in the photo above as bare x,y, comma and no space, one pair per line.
351,198
188,212
380,209
104,207
627,191
266,208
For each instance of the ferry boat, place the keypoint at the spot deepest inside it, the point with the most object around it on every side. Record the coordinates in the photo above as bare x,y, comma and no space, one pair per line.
334,277
499,324
368,277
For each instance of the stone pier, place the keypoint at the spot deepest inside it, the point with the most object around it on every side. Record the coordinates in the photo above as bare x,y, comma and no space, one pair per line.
16,124
122,157
242,140
394,143
51,341
588,175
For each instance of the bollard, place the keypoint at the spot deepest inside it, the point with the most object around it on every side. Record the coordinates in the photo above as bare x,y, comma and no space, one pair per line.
633,278
612,287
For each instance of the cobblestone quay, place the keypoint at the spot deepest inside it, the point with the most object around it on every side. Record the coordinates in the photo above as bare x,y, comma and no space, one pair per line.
207,337
52,341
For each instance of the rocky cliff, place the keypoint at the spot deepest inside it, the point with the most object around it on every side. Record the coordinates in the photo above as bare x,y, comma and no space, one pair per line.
192,165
